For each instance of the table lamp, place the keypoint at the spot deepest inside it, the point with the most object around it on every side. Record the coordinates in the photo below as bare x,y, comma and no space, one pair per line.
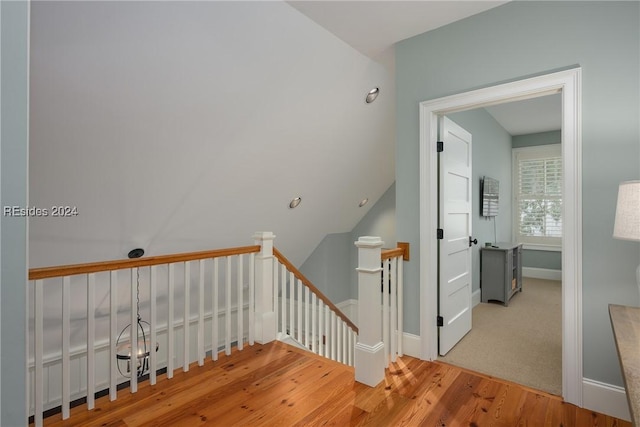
627,225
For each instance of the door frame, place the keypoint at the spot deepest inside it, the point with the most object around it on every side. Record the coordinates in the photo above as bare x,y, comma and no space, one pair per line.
568,83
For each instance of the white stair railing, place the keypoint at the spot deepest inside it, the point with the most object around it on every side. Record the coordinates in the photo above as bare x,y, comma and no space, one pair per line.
76,314
306,317
392,297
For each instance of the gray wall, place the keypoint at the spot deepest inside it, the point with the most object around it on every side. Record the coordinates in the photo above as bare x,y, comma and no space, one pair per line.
491,156
379,221
551,260
328,266
13,171
331,267
534,139
517,40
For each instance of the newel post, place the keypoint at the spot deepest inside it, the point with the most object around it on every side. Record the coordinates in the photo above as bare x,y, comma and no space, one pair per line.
369,352
265,319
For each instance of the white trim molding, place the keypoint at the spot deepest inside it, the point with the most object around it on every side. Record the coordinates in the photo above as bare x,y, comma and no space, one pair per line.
568,84
605,398
476,297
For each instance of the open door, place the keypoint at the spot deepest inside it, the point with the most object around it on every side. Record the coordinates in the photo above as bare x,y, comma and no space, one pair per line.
454,248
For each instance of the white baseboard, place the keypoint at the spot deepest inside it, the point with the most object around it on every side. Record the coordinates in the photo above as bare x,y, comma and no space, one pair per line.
475,297
542,273
605,398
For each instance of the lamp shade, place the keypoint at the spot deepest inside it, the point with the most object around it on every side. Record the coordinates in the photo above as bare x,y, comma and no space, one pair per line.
627,225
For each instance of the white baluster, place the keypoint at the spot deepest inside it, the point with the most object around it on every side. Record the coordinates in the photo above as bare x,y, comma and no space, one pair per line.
133,333
400,306
339,339
113,335
327,333
394,310
352,348
292,300
153,321
240,303
345,342
276,287
307,302
227,309
321,328
38,343
91,334
334,337
66,361
283,287
349,347
252,297
215,312
385,310
299,301
314,323
201,352
185,320
170,325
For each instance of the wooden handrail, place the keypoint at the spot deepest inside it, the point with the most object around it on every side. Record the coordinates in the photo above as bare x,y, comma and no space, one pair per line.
310,285
96,267
401,250
391,253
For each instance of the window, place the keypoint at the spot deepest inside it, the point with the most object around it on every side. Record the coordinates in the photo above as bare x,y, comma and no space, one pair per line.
537,189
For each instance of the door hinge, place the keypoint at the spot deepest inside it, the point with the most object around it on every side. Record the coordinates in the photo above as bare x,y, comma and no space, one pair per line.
440,234
440,146
440,321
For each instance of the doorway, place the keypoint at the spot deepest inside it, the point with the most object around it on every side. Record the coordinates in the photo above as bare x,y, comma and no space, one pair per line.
516,335
567,83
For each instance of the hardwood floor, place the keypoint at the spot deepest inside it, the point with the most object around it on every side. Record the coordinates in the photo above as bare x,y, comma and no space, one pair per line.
278,385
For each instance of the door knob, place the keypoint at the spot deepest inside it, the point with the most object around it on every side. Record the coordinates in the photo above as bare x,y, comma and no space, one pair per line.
474,241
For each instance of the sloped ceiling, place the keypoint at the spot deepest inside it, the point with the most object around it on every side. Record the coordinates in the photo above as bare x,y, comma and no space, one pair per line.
373,27
183,126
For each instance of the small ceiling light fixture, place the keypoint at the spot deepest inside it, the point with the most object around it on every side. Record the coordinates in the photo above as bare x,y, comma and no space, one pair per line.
363,202
372,95
295,202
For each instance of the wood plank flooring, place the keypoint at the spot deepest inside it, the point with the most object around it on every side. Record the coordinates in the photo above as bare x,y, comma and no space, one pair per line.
278,385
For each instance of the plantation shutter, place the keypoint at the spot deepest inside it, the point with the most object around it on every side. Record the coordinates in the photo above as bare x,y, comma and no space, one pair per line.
538,190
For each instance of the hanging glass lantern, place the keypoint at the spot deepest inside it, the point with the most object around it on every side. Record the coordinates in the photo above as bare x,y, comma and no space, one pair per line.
139,362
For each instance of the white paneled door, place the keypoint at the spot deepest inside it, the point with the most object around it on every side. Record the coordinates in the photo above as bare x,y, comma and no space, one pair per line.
454,261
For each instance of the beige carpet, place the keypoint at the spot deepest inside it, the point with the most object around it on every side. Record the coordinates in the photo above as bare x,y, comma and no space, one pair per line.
520,343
